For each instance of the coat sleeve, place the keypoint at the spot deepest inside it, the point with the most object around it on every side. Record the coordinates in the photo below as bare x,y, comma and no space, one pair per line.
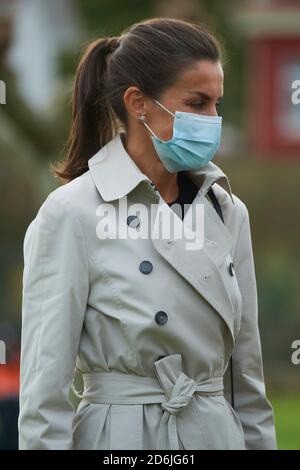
54,299
250,402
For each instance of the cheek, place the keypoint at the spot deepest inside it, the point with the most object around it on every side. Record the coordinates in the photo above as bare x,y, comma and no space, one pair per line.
163,128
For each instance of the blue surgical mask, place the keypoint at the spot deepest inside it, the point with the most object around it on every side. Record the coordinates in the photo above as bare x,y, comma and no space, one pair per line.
195,141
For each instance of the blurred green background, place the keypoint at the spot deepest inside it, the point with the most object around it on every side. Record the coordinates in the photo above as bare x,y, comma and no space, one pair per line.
33,130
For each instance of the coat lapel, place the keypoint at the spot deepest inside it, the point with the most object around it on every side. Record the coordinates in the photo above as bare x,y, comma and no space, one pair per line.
200,267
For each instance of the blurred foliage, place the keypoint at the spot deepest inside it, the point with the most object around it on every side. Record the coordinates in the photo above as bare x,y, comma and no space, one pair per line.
109,17
287,412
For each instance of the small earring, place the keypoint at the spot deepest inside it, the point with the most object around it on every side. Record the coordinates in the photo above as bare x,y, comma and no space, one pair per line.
142,117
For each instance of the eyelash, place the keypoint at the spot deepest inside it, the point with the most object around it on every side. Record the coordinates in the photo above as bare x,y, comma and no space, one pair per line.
201,105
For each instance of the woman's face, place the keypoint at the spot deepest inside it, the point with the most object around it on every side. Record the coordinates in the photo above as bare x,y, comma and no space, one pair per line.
197,90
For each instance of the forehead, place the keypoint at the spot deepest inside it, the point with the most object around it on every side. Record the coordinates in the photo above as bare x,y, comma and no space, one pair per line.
204,76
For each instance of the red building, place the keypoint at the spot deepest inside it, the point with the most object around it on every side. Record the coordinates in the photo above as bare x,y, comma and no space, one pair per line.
273,31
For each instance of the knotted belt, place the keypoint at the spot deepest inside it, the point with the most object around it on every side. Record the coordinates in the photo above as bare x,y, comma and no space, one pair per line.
173,389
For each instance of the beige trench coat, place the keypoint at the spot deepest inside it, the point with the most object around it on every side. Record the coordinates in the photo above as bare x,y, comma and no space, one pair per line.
153,344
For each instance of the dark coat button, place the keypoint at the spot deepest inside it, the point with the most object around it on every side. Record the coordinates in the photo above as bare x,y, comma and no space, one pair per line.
161,317
133,221
146,267
231,268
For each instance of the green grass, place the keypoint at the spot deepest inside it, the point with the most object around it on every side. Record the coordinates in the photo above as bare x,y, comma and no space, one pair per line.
287,420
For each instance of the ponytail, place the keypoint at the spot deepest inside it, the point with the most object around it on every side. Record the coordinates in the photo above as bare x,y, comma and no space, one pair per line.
93,121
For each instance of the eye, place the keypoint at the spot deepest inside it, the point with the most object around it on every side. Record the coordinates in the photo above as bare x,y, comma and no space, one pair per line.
198,104
219,103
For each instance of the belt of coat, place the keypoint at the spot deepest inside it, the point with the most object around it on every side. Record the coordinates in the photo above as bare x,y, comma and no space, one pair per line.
173,389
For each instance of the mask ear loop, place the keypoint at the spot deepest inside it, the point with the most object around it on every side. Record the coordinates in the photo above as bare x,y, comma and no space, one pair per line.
162,106
143,117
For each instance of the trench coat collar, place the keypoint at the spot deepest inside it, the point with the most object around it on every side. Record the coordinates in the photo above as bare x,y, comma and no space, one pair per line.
113,159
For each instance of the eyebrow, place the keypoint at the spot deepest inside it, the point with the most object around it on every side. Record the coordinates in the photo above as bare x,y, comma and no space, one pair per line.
203,95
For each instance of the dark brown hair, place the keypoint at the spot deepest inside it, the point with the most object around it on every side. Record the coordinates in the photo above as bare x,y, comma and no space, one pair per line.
150,55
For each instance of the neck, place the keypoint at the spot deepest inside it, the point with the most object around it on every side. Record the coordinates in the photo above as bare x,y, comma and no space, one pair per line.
140,148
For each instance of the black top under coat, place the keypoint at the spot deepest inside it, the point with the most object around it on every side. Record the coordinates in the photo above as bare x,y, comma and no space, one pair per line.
187,191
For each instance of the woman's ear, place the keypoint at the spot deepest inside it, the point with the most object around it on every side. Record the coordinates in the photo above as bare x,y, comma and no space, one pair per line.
134,101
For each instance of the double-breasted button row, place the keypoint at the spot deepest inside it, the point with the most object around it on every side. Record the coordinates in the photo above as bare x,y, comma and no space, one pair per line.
146,267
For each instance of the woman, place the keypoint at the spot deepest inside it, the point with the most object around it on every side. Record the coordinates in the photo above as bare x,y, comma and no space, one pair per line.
150,321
